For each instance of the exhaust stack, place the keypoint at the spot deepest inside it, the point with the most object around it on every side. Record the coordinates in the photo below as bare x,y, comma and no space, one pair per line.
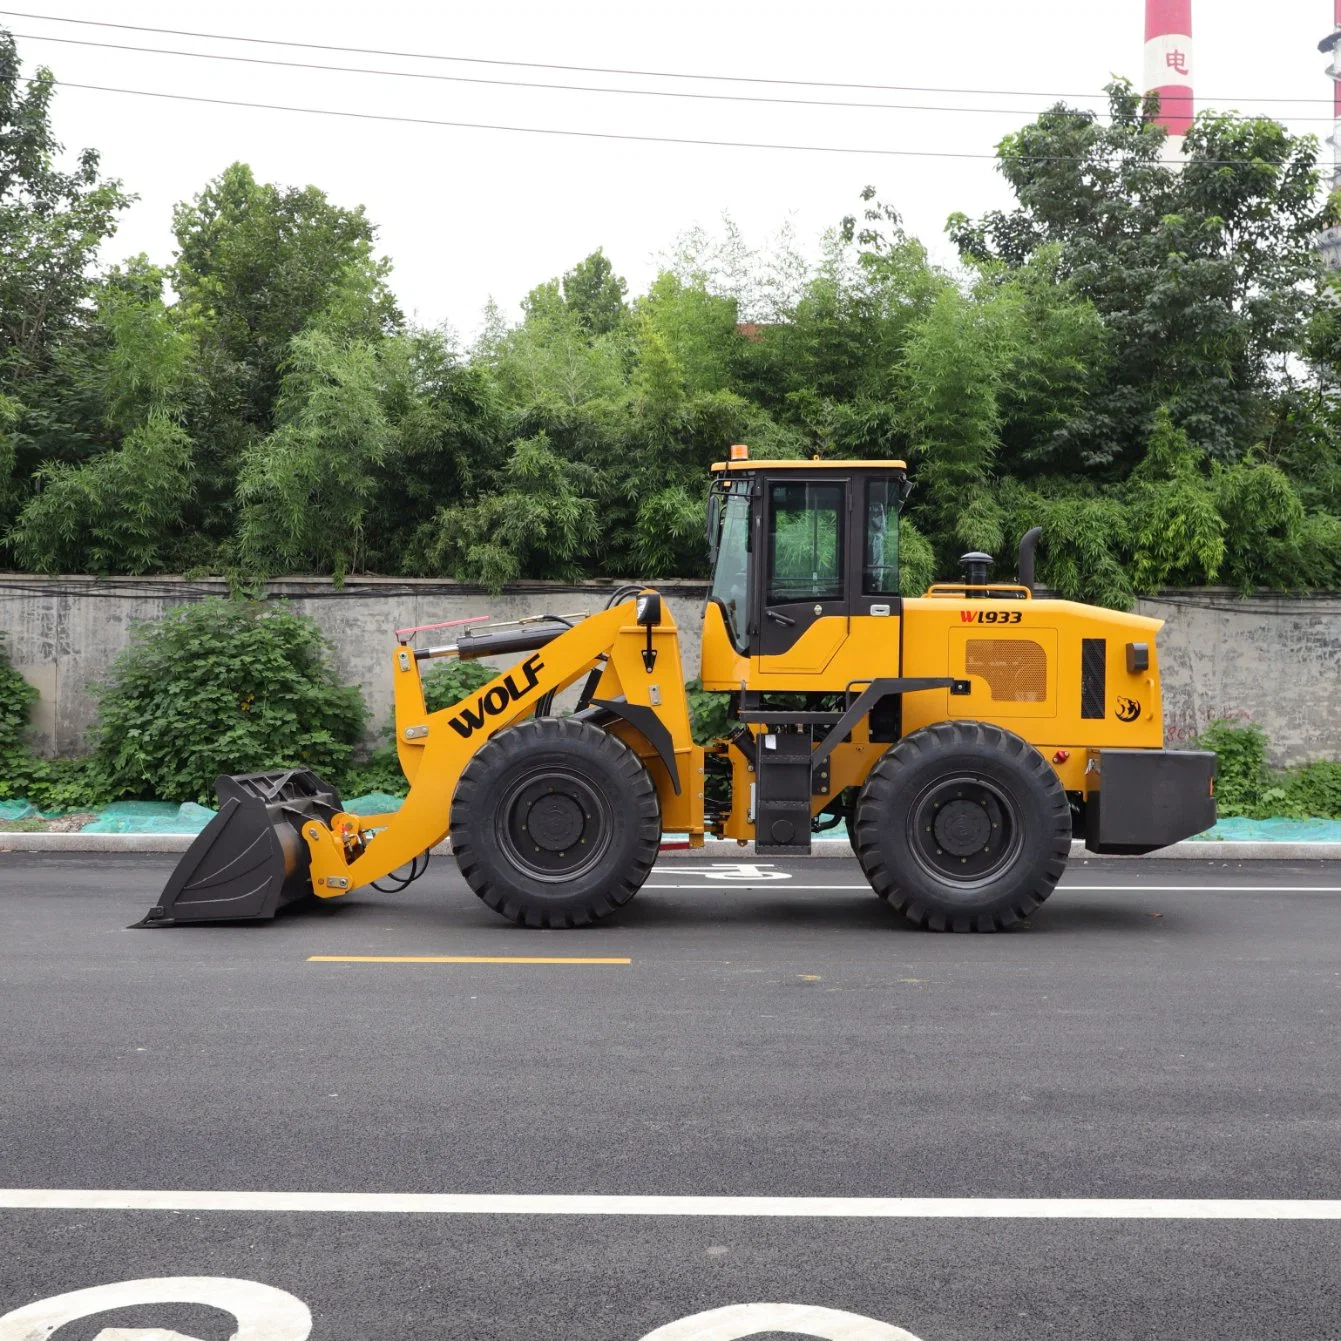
1025,566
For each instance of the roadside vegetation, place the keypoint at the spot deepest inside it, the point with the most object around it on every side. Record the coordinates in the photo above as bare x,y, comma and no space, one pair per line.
1247,787
1144,362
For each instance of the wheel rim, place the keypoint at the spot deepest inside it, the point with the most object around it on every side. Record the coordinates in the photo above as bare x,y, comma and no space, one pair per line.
553,825
964,829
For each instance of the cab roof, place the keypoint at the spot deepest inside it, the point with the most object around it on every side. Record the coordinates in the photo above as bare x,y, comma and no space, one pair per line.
760,464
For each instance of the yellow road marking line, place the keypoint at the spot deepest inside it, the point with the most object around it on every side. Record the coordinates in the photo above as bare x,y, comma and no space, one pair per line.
453,959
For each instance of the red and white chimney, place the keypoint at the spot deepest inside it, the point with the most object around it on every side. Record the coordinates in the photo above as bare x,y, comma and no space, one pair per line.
1168,66
1331,45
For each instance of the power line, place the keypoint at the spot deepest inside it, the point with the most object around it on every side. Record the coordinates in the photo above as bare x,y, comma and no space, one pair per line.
525,83
585,134
523,130
566,88
587,69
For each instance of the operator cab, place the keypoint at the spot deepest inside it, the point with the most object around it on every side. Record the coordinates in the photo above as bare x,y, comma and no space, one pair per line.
798,543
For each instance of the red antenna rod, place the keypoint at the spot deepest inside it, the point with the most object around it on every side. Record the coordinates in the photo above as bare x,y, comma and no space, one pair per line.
452,623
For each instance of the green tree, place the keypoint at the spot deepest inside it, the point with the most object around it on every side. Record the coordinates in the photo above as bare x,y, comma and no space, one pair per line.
450,439
595,294
307,488
1178,533
257,264
10,413
51,225
121,510
1201,276
543,522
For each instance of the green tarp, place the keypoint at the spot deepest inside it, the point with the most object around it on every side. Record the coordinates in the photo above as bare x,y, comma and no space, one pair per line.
150,817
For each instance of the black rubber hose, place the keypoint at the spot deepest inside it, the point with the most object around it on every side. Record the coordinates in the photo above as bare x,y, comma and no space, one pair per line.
415,872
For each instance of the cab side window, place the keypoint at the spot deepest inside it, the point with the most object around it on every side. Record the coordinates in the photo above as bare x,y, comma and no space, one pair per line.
805,542
880,556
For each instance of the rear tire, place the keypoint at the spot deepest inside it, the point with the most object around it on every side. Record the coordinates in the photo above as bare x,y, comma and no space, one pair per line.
555,823
963,827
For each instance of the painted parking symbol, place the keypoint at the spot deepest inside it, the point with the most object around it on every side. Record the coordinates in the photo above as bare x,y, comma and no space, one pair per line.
746,872
741,1320
263,1313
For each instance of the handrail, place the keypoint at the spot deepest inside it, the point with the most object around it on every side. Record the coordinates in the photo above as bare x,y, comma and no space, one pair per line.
943,590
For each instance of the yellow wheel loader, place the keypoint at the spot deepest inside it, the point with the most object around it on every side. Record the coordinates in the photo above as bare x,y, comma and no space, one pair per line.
963,736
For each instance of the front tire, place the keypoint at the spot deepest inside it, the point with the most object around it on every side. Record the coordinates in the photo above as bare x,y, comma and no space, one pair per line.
963,826
555,823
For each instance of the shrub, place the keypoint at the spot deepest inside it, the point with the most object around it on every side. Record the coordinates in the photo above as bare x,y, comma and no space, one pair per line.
54,785
1246,787
225,686
1312,791
17,697
709,713
49,784
1241,773
449,681
380,772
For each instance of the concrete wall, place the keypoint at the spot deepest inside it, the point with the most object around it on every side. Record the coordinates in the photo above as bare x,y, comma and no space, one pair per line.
65,632
1269,659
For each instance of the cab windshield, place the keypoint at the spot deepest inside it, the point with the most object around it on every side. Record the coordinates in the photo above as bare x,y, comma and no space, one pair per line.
730,573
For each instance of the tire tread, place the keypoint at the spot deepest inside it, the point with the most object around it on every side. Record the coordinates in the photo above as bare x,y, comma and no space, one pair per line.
887,779
471,796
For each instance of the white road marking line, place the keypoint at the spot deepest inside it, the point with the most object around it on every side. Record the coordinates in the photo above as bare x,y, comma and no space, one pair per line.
743,870
142,1334
743,1320
263,1313
1221,889
734,871
510,1203
1212,889
1128,889
712,889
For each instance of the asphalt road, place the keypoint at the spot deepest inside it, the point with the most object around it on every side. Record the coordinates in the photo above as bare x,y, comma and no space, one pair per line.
1158,1030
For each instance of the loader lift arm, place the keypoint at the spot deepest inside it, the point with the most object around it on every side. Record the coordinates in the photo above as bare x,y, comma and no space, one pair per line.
254,857
434,748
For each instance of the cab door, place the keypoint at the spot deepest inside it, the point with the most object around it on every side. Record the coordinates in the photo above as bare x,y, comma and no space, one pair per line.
803,605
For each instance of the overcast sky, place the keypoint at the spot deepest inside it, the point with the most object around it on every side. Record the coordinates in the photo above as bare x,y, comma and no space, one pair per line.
465,214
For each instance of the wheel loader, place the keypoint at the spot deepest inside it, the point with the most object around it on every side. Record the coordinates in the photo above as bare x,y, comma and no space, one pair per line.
962,737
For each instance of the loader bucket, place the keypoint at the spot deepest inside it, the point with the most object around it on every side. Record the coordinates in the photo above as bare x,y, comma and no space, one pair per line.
251,858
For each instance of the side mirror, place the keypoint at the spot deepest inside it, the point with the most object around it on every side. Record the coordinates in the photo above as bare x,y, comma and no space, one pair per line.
649,609
714,524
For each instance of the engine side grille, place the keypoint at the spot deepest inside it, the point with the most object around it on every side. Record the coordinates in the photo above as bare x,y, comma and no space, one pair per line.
1093,676
1016,669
